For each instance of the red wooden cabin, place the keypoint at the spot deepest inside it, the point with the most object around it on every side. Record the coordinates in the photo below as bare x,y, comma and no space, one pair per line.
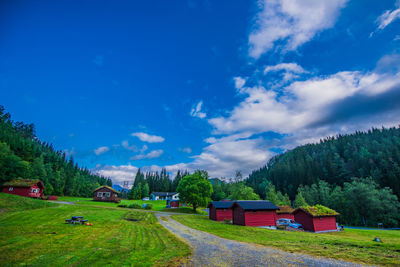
285,212
220,210
254,213
106,194
314,220
24,187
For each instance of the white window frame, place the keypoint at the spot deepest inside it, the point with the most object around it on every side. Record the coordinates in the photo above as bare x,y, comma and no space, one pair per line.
11,188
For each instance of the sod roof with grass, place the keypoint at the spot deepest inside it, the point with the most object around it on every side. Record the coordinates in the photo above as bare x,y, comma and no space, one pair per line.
318,210
108,187
23,183
284,209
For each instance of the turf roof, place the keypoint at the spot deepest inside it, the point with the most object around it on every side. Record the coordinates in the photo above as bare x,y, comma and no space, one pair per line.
106,186
285,209
23,182
319,210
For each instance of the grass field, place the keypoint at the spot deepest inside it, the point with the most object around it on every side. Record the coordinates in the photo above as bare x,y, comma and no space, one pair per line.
157,204
350,245
15,203
38,236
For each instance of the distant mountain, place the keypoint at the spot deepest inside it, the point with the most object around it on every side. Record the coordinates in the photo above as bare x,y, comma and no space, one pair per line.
336,160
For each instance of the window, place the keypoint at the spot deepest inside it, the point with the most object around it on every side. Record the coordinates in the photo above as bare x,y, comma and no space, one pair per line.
34,190
99,194
10,189
107,194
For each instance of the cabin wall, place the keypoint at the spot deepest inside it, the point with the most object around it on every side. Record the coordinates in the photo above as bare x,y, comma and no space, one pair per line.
324,223
238,215
112,198
23,191
222,214
284,216
260,218
212,213
305,220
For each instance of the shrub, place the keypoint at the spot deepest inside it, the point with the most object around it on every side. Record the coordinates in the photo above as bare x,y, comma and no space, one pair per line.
148,207
134,206
122,205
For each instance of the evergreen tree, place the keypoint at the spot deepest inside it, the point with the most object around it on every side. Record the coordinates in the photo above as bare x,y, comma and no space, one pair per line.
300,201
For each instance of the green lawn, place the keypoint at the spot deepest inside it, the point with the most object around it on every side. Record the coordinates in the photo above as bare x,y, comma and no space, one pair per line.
350,245
16,203
157,204
186,210
39,237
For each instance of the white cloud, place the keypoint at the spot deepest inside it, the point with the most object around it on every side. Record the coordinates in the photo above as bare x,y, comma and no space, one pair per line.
196,111
239,82
118,173
125,144
186,150
292,23
290,70
226,155
148,138
388,17
101,150
301,103
287,67
151,155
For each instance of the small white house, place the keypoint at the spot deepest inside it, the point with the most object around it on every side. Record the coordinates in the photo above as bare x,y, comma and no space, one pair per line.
164,196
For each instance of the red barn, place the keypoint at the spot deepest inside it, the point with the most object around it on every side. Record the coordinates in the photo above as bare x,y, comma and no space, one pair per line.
254,213
220,210
316,219
24,187
285,212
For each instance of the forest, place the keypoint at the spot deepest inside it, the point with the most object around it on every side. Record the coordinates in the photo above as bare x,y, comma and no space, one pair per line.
23,155
358,175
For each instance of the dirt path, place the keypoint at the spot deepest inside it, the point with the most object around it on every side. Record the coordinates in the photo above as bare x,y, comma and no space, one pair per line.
210,250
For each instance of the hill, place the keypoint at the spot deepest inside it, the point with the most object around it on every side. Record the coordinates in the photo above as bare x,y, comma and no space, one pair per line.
16,203
23,155
336,160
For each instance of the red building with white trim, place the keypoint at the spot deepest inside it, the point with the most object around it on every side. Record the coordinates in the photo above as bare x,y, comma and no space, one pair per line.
220,210
24,187
254,213
316,221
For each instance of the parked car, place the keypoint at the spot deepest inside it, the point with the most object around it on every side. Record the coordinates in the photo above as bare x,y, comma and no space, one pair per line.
145,199
289,223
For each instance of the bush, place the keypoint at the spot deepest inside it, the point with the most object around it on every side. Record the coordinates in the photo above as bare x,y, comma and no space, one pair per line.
134,206
148,206
122,205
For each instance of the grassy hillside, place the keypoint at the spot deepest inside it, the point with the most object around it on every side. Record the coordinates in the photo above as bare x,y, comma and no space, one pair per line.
157,204
39,237
16,203
350,245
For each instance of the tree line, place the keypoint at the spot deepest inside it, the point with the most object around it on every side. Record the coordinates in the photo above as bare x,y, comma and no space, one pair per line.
23,155
148,182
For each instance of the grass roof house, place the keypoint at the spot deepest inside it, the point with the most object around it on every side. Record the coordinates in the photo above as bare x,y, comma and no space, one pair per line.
316,218
24,187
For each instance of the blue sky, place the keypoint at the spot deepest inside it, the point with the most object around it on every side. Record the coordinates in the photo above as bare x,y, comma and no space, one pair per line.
214,85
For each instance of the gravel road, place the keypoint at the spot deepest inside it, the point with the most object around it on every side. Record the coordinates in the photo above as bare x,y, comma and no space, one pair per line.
210,250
